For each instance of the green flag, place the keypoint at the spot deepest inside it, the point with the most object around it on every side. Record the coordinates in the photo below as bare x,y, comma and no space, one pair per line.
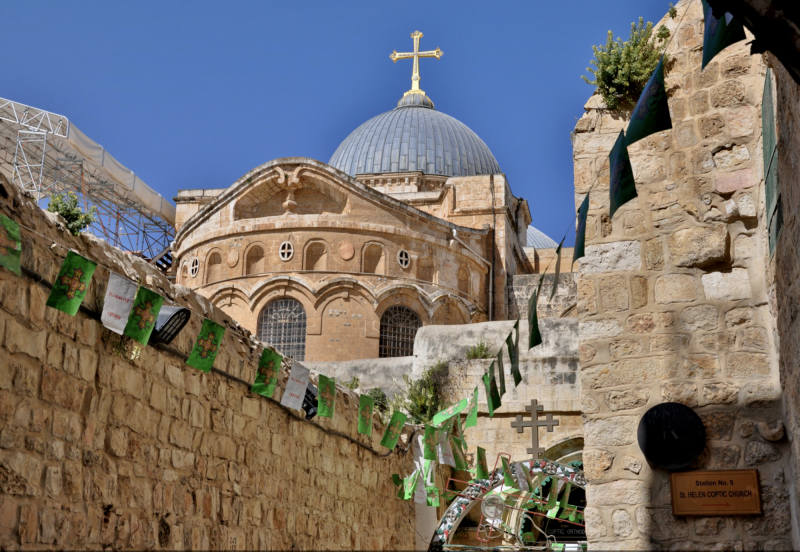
267,374
142,318
472,415
501,371
580,232
564,502
410,485
327,396
432,496
508,476
71,284
429,443
622,185
394,429
534,336
651,113
10,245
492,395
552,498
366,405
481,466
558,270
458,453
513,354
719,33
206,347
450,411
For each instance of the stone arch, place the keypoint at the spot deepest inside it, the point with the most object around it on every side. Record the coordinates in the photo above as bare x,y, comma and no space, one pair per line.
398,328
299,287
282,324
315,255
373,258
475,289
233,301
450,310
255,261
214,270
463,280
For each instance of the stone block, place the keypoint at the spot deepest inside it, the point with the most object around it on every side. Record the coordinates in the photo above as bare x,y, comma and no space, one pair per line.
610,432
698,103
61,389
654,254
639,292
685,134
660,524
52,482
675,288
632,464
599,329
648,169
727,286
728,93
719,425
630,371
698,246
755,338
738,316
720,393
683,393
711,126
595,529
597,462
633,223
128,380
759,452
118,442
747,365
624,491
621,524
613,293
640,323
586,353
669,342
87,364
729,182
731,156
612,257
627,399
20,339
701,317
625,347
740,121
701,366
708,526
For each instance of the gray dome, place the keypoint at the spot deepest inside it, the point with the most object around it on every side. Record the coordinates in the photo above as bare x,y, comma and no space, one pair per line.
414,137
540,240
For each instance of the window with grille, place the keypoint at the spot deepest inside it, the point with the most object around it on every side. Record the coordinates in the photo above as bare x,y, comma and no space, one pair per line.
399,326
772,184
282,324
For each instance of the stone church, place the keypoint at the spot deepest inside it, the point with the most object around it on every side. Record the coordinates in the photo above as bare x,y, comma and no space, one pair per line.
410,223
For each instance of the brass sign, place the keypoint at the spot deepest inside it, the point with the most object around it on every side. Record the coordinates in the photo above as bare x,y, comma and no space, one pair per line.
715,493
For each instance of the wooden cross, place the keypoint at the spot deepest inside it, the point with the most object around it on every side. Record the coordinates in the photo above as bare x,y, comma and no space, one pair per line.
534,408
74,283
145,315
207,345
415,55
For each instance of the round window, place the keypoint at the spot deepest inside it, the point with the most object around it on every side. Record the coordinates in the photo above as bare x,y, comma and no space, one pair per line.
286,251
194,267
403,258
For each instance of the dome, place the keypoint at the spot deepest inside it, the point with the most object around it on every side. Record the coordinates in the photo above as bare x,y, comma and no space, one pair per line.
414,137
540,240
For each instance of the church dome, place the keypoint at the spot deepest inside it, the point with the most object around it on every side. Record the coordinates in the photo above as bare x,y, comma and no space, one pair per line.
414,137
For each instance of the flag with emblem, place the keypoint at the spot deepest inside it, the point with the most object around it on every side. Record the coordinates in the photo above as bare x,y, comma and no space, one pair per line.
393,430
117,305
512,344
10,245
269,366
206,347
410,485
472,415
580,232
432,496
327,396
492,395
719,33
458,453
651,113
449,412
621,183
508,475
429,443
366,405
142,318
71,284
481,466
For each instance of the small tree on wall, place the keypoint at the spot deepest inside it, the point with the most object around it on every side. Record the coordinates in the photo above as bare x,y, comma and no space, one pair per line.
66,205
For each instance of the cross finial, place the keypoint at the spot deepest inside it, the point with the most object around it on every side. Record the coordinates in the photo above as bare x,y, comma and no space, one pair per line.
415,55
534,408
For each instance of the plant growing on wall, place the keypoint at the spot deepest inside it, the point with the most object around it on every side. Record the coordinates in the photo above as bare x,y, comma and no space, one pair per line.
621,69
76,218
481,350
422,398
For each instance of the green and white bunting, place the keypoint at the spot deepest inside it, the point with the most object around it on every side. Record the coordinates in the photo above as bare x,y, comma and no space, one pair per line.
492,395
393,430
429,442
501,371
481,466
10,245
621,183
71,284
327,396
719,33
142,318
269,366
472,415
580,232
366,405
512,344
449,412
410,485
458,453
206,347
651,113
432,496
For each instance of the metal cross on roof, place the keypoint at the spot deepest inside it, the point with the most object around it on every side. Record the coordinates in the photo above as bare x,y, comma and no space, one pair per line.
415,55
534,408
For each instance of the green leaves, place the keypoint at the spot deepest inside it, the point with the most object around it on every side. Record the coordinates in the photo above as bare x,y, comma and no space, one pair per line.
66,205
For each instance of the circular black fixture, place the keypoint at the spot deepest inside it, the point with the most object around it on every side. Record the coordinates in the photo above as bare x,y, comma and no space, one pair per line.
671,436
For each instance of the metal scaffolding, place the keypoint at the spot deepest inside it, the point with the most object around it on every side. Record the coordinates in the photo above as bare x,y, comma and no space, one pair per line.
45,155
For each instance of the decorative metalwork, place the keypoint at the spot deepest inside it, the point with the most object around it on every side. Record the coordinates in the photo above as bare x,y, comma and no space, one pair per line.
286,251
535,424
282,324
399,326
403,258
415,55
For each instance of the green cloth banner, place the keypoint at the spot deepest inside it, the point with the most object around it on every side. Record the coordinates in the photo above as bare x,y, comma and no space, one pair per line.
327,396
472,415
394,429
10,245
501,371
410,485
450,411
508,475
492,395
458,453
429,442
71,284
564,503
621,183
534,336
651,113
398,483
481,466
142,318
552,498
719,33
558,270
432,496
512,344
366,405
269,366
580,233
206,347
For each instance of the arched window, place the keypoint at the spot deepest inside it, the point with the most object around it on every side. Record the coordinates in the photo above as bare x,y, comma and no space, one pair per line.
463,281
316,256
254,264
373,259
399,326
214,268
282,324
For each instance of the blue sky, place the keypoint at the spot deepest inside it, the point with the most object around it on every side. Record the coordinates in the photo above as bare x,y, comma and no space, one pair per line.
195,94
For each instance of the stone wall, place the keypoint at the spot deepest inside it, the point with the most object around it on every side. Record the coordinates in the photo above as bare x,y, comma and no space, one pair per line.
673,303
100,451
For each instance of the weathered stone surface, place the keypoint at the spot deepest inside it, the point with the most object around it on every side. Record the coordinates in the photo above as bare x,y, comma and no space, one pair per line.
586,353
708,526
594,523
630,371
729,182
711,125
739,121
730,157
625,347
624,491
727,286
613,293
759,452
720,393
755,338
640,323
639,292
599,329
728,93
684,393
654,254
621,523
61,389
721,341
668,342
627,399
610,432
660,524
701,366
597,462
719,425
747,365
632,464
738,316
698,246
701,317
20,339
612,257
675,288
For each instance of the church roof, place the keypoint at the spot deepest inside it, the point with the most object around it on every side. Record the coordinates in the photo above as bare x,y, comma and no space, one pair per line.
414,137
539,240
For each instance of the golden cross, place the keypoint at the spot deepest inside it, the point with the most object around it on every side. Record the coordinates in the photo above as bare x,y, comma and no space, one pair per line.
207,345
415,55
74,283
145,314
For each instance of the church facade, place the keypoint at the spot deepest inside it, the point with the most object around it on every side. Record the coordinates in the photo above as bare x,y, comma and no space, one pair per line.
411,223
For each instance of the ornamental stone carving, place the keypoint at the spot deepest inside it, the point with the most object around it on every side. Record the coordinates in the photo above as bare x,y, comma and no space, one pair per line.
346,250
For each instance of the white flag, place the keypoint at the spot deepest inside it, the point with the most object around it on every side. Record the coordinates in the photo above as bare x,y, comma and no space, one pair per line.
445,450
295,387
118,303
420,496
519,475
